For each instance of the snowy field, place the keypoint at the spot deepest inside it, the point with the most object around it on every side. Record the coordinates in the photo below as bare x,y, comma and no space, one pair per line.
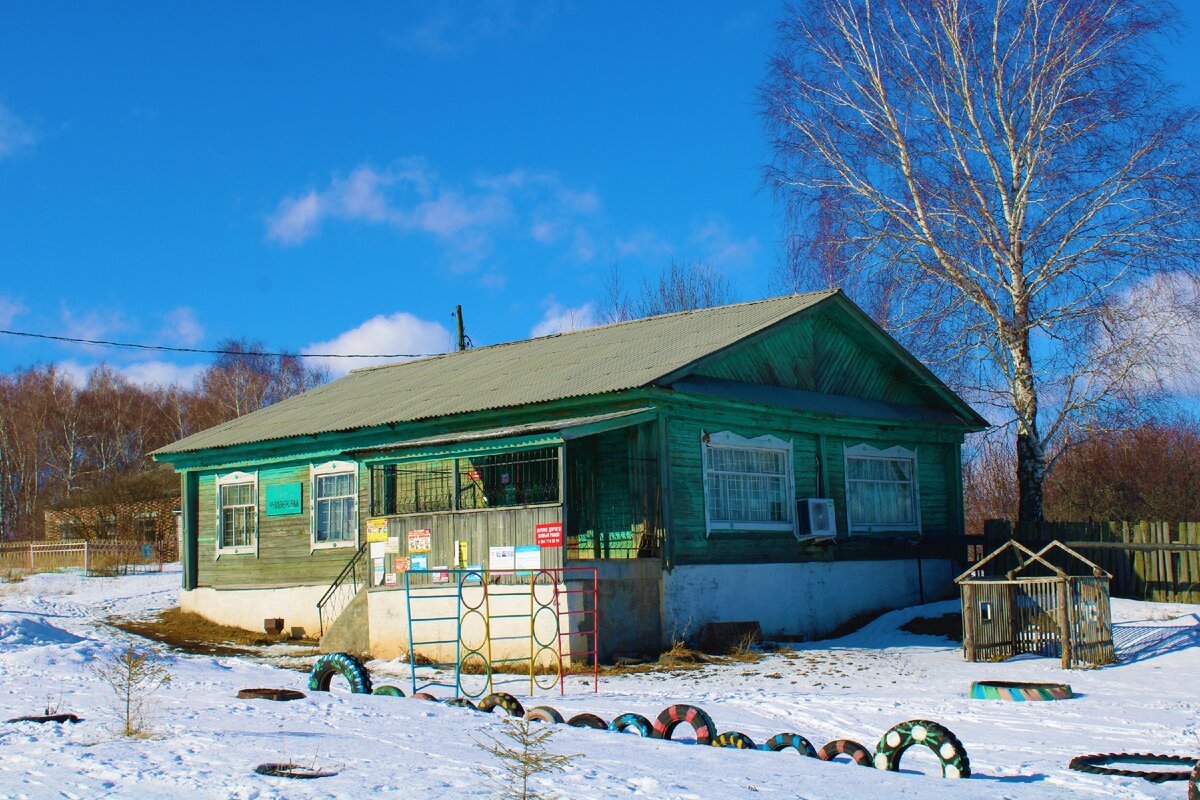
207,742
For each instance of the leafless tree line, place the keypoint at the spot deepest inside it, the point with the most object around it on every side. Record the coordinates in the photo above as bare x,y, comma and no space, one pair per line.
58,438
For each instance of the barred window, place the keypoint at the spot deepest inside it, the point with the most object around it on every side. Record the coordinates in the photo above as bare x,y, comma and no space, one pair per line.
412,488
748,487
520,478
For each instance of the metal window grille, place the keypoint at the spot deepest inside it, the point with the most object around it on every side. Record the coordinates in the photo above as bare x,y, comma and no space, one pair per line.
412,488
747,485
238,515
509,479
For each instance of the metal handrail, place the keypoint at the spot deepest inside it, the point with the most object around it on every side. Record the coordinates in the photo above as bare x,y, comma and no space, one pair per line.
351,570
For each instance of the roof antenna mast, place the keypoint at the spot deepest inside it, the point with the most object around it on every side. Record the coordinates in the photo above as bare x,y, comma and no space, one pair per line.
463,340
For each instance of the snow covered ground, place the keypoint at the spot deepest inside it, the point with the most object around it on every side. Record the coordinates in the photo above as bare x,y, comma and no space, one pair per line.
207,742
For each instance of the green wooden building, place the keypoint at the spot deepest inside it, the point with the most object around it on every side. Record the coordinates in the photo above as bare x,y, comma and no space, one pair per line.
692,458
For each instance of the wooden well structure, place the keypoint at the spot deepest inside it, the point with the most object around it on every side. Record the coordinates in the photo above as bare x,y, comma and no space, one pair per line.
1053,602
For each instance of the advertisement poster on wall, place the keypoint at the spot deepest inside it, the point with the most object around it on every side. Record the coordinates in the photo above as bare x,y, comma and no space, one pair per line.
377,530
441,574
419,561
548,534
377,572
420,540
502,559
527,557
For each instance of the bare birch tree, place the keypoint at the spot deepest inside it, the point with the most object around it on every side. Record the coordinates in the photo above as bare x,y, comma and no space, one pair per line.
1020,178
683,286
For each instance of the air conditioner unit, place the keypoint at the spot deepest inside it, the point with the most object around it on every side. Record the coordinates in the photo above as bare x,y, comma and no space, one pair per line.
816,519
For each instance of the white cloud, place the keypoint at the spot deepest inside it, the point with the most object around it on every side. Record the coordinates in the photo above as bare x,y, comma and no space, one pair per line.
15,135
717,245
466,221
644,244
147,374
182,326
1163,311
395,333
100,323
559,318
448,28
10,309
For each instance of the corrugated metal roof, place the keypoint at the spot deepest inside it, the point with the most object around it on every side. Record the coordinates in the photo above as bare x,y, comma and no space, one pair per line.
593,361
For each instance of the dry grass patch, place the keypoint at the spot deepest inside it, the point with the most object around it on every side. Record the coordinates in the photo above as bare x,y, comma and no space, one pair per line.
193,633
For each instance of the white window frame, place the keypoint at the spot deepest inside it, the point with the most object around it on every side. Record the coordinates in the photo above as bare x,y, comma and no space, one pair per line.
897,452
729,439
331,468
226,480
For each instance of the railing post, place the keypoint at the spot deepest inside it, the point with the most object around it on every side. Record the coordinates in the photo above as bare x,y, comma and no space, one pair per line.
86,568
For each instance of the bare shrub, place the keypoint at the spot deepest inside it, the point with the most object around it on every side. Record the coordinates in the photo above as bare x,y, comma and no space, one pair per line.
523,757
134,676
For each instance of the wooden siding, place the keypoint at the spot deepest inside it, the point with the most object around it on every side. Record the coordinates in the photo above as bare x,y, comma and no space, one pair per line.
481,530
818,352
814,444
284,557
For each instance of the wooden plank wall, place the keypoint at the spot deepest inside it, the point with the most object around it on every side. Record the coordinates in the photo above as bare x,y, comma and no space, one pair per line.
1149,573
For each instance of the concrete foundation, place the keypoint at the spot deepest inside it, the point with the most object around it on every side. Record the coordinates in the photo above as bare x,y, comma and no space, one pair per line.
807,600
247,608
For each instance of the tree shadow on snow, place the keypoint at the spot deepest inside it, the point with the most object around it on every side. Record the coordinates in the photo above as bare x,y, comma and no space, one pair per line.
1140,641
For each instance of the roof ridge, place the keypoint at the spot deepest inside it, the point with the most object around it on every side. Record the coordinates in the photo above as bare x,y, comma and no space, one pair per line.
639,320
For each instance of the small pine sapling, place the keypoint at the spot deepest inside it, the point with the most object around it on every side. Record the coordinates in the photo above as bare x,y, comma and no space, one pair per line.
526,757
134,676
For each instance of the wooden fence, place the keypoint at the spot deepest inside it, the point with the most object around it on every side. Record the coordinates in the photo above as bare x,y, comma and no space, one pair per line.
1148,560
91,558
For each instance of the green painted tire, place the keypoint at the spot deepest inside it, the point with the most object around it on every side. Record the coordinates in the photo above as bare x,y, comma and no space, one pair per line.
944,744
344,664
734,739
544,714
504,701
639,723
388,691
789,741
586,720
461,702
1102,764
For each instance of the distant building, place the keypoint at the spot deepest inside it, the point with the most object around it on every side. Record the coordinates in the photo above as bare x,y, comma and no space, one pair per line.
137,509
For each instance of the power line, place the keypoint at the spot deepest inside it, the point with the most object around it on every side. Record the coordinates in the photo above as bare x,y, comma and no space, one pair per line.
166,349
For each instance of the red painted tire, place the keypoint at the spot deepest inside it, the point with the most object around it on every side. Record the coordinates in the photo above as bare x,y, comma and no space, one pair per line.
846,747
544,714
736,740
587,721
673,716
1194,783
424,696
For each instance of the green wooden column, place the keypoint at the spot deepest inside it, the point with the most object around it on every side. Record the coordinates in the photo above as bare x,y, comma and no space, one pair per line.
190,512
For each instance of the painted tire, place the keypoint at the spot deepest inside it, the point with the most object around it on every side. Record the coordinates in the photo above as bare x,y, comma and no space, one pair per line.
1020,692
1194,783
425,696
639,723
461,702
587,721
789,741
1098,765
544,714
389,691
846,747
502,700
673,716
944,744
344,664
736,740
280,695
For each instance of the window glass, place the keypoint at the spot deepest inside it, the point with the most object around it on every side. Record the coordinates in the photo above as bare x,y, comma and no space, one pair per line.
747,485
412,488
238,514
333,507
881,492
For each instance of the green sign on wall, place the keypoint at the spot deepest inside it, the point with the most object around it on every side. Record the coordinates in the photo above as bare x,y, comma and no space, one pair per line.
283,499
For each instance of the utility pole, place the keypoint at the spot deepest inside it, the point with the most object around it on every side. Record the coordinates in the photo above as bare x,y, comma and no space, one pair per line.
462,336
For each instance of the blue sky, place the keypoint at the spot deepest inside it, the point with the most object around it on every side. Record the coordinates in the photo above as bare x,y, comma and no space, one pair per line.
337,183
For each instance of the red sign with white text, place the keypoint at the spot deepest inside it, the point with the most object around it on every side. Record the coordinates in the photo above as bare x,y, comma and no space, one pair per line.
548,534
